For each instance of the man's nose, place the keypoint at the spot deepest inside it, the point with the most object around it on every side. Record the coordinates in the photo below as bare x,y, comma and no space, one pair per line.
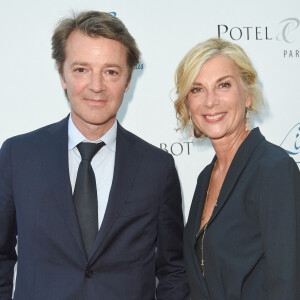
96,83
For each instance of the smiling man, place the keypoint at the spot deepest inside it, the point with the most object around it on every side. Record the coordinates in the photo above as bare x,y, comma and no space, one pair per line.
96,209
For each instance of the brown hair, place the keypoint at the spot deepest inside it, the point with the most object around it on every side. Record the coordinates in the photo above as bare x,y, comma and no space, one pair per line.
94,24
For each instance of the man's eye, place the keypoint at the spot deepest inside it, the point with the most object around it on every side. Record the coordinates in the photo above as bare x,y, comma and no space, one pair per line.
79,70
111,72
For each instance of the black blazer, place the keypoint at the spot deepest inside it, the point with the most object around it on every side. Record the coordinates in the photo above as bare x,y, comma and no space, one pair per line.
251,247
140,237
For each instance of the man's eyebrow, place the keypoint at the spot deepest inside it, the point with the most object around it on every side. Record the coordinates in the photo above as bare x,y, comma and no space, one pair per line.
112,65
107,65
75,63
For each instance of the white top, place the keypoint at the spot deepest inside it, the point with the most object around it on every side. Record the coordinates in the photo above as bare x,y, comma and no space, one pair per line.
102,163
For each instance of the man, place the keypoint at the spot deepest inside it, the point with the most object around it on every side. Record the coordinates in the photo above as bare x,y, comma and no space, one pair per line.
97,210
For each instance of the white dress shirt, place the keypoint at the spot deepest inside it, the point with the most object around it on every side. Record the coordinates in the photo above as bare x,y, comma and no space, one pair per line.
102,163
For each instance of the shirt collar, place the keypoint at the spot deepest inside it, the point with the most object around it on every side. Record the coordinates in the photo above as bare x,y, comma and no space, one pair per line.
76,137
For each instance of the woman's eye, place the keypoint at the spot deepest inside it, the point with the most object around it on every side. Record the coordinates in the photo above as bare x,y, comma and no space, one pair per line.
224,85
196,90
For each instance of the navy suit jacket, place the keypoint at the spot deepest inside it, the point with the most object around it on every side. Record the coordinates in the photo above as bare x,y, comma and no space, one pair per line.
252,242
140,237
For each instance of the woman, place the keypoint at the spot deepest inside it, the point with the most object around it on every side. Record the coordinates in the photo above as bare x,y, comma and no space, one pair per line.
242,236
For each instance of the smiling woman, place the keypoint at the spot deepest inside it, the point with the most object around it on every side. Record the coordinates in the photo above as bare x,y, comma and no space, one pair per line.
244,214
189,68
217,100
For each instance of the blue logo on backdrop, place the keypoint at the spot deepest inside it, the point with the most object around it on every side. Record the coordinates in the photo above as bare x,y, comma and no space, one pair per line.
113,13
140,66
291,143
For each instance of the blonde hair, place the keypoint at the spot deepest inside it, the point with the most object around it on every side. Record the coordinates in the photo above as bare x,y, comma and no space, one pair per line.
191,64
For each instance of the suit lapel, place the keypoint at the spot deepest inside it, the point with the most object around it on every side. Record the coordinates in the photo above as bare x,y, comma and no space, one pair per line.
126,166
54,152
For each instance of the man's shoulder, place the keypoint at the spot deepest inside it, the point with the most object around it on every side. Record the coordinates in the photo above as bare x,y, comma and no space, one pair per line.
143,146
31,136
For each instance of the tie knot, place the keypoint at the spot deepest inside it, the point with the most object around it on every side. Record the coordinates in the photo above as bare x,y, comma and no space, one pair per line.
88,150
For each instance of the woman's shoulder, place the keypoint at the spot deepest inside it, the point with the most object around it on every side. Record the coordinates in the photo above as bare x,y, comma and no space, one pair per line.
268,154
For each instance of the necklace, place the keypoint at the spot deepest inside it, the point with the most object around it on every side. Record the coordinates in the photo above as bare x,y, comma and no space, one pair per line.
203,218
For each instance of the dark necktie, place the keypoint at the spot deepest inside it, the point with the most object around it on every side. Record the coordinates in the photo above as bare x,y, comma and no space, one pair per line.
85,194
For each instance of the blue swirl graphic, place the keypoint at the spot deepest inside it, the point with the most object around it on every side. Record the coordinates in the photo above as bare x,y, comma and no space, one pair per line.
291,143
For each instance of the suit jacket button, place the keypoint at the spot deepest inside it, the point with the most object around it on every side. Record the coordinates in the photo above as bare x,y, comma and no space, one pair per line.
89,273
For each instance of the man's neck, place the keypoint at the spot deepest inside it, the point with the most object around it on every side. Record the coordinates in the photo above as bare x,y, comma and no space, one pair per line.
93,132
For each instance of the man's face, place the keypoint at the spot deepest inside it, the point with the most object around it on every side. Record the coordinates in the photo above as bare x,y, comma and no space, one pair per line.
95,75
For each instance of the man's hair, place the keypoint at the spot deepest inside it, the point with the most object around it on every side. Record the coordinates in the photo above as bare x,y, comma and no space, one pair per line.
94,24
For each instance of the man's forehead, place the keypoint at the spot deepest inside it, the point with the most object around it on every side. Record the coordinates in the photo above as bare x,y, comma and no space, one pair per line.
78,36
79,42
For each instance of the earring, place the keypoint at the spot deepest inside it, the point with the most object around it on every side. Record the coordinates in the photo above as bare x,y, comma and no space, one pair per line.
247,125
191,128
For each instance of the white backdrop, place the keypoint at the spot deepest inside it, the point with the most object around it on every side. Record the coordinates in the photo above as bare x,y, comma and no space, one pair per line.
269,31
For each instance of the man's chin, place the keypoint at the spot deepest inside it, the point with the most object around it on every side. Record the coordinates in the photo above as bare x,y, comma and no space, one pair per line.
98,122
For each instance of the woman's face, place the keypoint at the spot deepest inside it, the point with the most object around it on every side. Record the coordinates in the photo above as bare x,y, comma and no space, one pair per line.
217,99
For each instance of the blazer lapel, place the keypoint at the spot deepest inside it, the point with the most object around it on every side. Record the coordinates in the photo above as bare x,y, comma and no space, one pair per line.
235,170
200,194
126,166
54,152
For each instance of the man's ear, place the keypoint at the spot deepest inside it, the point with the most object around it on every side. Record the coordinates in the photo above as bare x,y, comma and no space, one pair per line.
62,80
127,86
128,80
